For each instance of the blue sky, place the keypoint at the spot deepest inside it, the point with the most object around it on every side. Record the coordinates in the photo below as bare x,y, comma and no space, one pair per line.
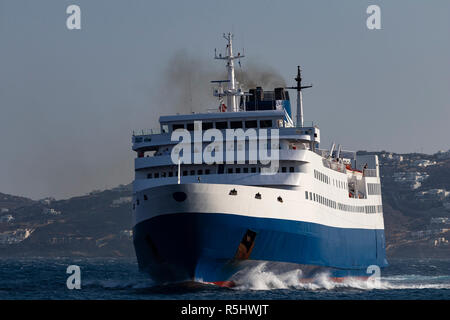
69,100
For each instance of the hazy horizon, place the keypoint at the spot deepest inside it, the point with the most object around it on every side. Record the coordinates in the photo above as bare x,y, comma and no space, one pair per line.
70,99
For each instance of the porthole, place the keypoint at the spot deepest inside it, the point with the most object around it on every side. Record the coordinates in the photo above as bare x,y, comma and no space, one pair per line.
179,196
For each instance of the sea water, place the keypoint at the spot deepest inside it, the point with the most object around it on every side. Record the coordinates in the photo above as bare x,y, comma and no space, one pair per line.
45,278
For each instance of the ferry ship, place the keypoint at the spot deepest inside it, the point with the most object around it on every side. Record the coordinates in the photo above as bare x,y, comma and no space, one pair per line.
320,211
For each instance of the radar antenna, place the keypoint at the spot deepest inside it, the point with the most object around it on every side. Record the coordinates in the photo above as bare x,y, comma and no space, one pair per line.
299,87
233,90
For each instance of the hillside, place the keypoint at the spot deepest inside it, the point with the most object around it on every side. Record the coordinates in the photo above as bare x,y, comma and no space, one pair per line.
98,224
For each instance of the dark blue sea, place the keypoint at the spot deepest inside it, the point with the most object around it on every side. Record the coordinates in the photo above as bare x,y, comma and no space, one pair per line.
105,279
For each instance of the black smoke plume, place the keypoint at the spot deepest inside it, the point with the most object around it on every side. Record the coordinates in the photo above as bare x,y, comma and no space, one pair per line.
186,83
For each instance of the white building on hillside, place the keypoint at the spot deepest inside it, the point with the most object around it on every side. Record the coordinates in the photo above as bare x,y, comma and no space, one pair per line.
51,211
412,179
6,218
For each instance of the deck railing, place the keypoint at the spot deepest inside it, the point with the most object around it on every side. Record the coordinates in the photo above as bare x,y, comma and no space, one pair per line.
370,172
146,132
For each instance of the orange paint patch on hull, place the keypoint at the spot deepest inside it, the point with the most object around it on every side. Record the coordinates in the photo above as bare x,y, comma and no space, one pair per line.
224,284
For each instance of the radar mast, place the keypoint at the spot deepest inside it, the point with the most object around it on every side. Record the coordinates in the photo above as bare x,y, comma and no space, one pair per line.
299,115
232,91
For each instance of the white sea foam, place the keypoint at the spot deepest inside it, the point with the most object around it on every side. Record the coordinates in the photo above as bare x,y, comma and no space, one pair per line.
260,277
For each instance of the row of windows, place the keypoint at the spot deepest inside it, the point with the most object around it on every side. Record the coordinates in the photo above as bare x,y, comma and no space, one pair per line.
374,209
169,174
321,177
319,199
226,125
340,184
199,172
326,179
341,206
373,188
350,208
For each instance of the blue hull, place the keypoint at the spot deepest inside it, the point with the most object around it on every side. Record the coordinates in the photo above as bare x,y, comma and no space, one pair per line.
206,247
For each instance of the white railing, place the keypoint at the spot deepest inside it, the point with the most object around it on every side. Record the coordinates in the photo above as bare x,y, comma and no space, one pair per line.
306,124
370,172
146,132
333,165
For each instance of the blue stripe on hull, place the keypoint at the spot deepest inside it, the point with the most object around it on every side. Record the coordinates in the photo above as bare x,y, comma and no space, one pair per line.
202,246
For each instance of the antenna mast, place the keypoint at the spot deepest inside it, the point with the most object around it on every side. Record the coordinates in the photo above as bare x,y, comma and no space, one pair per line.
299,115
232,92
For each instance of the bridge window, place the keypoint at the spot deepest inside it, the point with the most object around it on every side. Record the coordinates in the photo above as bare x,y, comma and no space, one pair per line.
156,175
253,169
185,173
230,170
245,170
306,195
200,172
291,169
221,125
283,169
251,124
207,125
238,170
149,176
192,172
177,126
235,124
190,127
207,171
170,174
265,124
